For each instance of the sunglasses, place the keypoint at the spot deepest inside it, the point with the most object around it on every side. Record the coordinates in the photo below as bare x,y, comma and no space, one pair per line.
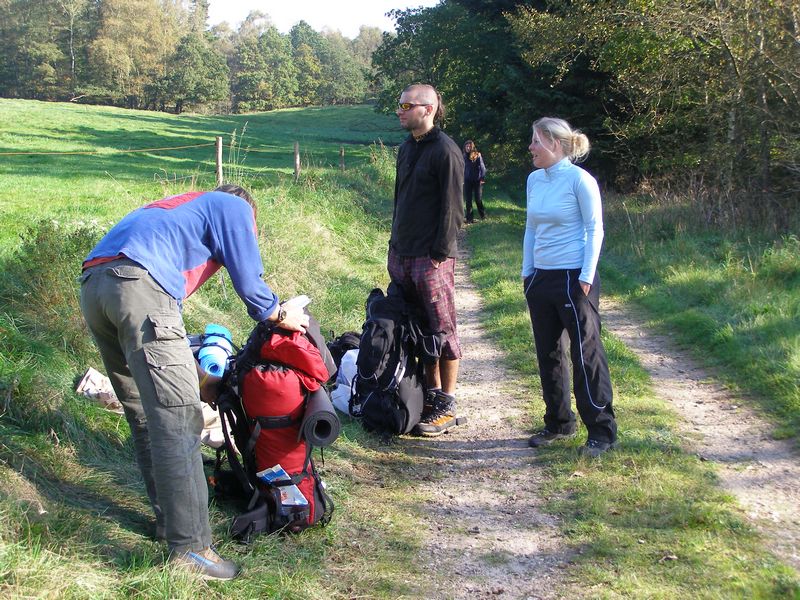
404,106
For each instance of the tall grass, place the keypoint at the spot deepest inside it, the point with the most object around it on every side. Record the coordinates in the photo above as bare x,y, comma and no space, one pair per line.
733,299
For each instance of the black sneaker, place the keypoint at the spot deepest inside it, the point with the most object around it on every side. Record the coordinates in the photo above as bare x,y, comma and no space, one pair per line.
440,419
207,563
546,437
594,448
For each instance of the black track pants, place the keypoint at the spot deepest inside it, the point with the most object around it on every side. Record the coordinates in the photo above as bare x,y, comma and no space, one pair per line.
560,314
473,189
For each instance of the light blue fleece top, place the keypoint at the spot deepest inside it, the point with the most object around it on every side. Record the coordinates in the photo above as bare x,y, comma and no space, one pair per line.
564,229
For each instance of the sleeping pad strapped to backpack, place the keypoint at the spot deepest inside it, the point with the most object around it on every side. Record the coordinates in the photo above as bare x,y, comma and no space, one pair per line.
271,406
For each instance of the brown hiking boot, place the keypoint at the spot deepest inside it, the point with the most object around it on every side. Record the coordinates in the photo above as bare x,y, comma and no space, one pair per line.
439,418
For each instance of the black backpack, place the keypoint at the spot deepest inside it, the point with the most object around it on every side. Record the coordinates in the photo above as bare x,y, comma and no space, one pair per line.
388,390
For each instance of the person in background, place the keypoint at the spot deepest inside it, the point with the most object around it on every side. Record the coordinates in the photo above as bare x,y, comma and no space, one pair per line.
428,214
132,287
561,248
474,178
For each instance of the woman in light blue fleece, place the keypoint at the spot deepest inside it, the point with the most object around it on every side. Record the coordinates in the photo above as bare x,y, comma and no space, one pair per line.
561,247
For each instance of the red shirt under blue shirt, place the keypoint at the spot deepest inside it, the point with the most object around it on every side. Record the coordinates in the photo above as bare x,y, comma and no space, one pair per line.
183,240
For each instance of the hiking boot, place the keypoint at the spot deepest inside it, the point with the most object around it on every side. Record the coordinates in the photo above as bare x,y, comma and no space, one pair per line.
440,418
545,437
428,404
594,448
207,563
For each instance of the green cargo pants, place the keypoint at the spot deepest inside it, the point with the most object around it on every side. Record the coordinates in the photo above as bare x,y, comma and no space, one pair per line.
139,331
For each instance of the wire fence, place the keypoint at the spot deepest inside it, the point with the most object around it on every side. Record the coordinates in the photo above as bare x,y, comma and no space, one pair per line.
219,147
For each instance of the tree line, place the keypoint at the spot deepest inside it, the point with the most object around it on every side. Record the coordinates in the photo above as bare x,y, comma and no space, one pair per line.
701,96
160,54
696,96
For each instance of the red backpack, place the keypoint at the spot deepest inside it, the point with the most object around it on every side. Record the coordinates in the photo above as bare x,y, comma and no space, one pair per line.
275,409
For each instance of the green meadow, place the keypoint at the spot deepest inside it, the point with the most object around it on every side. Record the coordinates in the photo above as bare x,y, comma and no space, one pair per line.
74,520
60,159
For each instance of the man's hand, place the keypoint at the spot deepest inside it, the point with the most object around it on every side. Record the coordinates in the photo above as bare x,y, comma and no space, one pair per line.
435,263
209,387
295,320
586,287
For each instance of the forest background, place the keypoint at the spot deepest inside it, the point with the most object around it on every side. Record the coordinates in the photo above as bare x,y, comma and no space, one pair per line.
686,102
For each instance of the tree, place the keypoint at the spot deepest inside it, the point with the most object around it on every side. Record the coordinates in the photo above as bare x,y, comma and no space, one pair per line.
709,88
129,51
342,80
73,9
33,61
309,74
198,16
465,49
333,72
363,47
264,75
196,74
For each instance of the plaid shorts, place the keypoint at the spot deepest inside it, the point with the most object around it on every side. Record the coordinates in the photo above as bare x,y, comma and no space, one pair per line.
434,290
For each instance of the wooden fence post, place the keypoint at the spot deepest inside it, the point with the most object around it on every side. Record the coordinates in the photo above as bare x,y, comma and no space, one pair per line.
219,183
219,161
341,157
296,162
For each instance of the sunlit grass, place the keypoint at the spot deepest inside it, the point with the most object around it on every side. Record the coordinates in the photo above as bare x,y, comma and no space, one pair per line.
647,520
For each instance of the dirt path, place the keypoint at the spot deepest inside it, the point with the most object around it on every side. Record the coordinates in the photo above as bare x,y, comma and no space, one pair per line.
763,473
485,526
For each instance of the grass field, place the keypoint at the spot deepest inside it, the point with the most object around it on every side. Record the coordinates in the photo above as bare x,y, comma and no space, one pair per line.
74,521
58,159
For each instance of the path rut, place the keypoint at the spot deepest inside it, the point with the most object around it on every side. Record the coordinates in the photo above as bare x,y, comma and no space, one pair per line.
486,528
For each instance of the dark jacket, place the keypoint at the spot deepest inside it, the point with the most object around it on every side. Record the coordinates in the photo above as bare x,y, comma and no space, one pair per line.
428,211
474,170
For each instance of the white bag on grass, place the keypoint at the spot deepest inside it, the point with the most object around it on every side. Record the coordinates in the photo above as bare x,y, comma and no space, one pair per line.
340,396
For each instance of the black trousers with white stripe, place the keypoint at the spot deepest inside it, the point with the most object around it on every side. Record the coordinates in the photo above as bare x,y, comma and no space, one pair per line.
562,315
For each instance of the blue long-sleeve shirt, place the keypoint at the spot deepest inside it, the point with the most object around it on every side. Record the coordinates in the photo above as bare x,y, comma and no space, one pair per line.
183,240
564,228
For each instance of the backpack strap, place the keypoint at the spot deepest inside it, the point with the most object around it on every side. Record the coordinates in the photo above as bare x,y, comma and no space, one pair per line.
276,422
228,415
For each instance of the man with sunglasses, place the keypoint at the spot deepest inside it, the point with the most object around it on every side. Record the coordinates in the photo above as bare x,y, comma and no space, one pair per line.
428,213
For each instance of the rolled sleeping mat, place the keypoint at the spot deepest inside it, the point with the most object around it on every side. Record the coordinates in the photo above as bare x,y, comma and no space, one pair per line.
320,426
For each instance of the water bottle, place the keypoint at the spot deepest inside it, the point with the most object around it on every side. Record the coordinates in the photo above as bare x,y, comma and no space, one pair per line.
216,349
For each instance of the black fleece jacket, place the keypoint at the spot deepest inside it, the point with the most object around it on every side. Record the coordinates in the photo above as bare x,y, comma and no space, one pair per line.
428,211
